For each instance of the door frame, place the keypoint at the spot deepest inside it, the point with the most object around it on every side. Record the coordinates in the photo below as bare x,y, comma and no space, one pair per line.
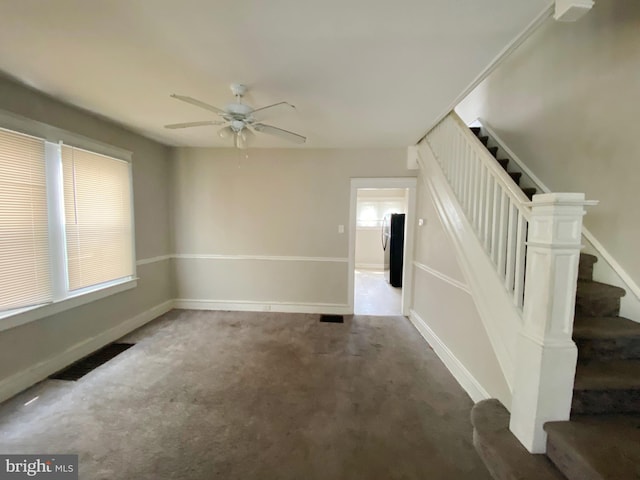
410,184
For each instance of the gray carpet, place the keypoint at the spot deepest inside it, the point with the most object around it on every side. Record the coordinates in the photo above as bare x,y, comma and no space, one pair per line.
256,396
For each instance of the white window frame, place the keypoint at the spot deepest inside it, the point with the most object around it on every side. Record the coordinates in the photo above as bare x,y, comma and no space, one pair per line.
378,201
63,299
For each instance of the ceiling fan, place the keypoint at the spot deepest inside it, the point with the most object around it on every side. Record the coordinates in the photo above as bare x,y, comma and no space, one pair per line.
239,119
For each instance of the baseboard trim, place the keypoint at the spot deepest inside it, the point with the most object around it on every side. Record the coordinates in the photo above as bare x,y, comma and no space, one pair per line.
266,306
38,372
466,380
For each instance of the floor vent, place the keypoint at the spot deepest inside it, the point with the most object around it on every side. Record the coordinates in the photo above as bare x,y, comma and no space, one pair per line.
332,318
80,368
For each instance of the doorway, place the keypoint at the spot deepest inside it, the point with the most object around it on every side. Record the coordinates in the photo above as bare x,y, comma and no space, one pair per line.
381,242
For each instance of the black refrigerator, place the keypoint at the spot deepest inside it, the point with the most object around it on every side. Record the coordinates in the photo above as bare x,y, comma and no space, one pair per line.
393,246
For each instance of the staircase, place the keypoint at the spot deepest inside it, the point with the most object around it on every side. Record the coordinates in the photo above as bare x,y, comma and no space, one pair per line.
504,163
602,440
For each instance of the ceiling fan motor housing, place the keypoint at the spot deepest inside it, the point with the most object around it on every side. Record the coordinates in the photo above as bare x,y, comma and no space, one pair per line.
238,109
238,89
237,125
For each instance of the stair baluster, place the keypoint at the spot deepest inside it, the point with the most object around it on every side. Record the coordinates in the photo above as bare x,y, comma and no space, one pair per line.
536,240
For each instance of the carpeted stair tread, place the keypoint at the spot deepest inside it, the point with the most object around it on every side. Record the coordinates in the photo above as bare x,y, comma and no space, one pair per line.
591,288
608,375
503,162
530,192
595,299
502,453
588,258
493,151
515,176
484,140
606,338
605,327
585,267
475,130
596,448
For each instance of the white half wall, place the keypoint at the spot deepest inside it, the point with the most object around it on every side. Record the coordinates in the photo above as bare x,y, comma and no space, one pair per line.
444,310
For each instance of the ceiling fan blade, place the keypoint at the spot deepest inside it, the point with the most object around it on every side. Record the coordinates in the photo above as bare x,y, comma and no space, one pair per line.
271,109
279,132
198,103
193,124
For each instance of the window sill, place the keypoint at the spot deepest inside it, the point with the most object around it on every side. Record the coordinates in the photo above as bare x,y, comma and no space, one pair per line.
30,314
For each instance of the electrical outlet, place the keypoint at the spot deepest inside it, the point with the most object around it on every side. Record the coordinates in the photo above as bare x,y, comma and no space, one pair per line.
340,228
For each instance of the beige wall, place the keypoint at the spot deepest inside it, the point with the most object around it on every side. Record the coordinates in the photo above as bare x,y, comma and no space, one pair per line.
566,103
23,347
442,299
369,253
275,203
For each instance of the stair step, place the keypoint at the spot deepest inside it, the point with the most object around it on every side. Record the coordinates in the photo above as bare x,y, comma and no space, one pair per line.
607,387
608,375
595,299
585,268
503,162
475,130
501,452
493,151
596,448
530,192
484,140
515,176
606,338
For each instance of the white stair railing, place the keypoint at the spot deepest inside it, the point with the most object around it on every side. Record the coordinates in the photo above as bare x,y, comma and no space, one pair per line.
496,208
542,235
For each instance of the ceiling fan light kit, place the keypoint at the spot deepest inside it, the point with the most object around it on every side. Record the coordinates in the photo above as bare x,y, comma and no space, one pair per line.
239,119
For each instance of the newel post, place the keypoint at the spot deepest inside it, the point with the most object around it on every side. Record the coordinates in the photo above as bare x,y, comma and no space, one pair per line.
546,355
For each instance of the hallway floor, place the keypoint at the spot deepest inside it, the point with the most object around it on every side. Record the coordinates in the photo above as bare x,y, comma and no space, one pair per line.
374,295
236,395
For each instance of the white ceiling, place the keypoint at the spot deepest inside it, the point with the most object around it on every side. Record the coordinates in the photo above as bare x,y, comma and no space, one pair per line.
362,73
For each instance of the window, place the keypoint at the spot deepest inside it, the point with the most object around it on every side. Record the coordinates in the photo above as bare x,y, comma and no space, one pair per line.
66,223
370,212
97,209
24,230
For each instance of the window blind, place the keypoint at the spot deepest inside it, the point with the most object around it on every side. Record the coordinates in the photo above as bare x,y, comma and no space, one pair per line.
97,202
25,277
